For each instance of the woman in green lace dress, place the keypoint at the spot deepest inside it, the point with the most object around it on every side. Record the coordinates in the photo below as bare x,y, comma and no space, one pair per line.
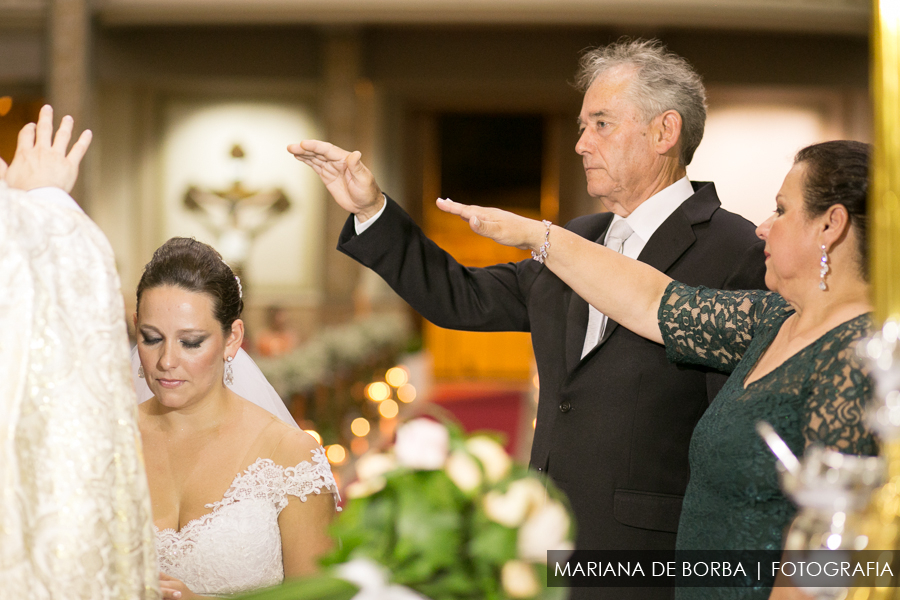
790,352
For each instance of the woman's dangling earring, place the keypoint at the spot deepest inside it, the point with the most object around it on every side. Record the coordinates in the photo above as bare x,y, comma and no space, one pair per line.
141,371
823,269
229,372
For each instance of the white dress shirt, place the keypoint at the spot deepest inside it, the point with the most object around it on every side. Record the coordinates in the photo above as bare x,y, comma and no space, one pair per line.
360,227
644,221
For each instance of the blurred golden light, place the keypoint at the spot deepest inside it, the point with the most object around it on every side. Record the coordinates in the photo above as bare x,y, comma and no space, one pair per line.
315,434
396,376
378,391
360,427
359,446
535,381
336,454
534,423
388,409
406,393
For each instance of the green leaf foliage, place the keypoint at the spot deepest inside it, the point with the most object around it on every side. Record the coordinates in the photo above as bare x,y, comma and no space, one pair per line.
321,587
432,537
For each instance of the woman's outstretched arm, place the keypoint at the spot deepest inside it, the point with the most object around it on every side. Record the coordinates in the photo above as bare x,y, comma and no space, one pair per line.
627,291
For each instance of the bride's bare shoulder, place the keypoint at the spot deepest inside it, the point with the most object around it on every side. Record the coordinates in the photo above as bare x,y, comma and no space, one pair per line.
294,446
288,446
255,416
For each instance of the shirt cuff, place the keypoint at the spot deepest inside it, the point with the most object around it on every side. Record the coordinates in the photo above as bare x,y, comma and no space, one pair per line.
54,195
360,227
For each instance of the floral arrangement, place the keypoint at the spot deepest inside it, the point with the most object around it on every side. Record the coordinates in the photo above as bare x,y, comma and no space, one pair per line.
444,516
323,381
335,349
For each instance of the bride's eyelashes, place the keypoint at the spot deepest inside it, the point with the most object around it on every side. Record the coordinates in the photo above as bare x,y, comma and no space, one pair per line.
149,341
192,344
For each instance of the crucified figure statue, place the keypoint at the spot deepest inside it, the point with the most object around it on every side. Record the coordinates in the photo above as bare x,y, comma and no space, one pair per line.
237,215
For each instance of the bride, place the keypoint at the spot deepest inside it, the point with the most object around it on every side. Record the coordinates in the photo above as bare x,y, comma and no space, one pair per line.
241,498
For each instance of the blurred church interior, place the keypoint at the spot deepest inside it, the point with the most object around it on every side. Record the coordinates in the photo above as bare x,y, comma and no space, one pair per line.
192,103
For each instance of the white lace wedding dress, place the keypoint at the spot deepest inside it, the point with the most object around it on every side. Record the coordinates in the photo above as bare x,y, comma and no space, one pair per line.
237,546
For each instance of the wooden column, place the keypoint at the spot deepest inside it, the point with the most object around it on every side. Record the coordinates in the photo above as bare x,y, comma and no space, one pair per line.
67,72
341,72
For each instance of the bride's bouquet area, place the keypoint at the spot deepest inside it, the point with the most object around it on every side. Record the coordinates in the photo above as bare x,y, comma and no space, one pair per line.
443,516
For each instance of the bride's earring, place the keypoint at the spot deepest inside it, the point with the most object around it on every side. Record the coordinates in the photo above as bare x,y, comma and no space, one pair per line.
823,269
141,371
229,372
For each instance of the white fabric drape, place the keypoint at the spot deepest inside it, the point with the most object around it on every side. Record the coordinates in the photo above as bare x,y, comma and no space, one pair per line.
75,519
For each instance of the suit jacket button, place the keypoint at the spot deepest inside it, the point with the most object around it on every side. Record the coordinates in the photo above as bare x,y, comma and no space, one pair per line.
565,406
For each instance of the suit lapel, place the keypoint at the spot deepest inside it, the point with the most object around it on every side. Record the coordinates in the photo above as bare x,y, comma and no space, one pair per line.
576,327
667,244
577,318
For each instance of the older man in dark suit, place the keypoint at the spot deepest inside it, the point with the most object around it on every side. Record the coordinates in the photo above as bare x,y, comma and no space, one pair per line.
614,417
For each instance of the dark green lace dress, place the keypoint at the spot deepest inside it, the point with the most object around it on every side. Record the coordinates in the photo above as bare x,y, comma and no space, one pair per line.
733,499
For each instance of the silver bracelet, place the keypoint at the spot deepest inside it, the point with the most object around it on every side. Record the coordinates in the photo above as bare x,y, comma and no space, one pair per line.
541,254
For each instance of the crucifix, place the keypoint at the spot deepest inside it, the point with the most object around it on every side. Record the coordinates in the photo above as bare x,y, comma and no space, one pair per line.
236,215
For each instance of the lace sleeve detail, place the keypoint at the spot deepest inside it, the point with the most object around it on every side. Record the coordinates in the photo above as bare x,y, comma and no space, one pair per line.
839,390
711,327
311,477
267,479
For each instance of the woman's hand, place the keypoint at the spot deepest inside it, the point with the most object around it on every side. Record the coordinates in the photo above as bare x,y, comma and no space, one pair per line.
41,158
625,290
503,227
172,589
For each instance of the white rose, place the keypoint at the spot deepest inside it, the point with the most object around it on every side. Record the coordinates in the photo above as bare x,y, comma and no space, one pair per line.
546,529
492,456
422,444
463,471
518,580
366,487
374,464
533,491
511,508
364,572
372,580
503,509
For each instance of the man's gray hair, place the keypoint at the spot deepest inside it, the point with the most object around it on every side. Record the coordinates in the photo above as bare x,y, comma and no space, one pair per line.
663,81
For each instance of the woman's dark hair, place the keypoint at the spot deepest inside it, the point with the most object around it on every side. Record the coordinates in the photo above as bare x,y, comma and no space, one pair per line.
838,173
195,267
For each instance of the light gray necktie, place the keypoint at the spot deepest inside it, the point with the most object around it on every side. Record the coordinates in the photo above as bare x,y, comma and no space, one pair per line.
618,233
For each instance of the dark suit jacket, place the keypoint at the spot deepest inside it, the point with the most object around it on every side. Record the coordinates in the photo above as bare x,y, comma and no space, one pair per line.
612,429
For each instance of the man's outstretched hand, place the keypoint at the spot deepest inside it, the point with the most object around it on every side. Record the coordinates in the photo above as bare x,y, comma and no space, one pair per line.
348,180
41,159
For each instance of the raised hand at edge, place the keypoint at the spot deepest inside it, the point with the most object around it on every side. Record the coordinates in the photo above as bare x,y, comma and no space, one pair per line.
41,159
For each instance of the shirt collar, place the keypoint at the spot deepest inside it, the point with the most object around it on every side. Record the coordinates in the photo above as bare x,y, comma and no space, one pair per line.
652,212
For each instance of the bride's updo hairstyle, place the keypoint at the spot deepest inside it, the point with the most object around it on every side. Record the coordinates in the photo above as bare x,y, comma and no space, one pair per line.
195,267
